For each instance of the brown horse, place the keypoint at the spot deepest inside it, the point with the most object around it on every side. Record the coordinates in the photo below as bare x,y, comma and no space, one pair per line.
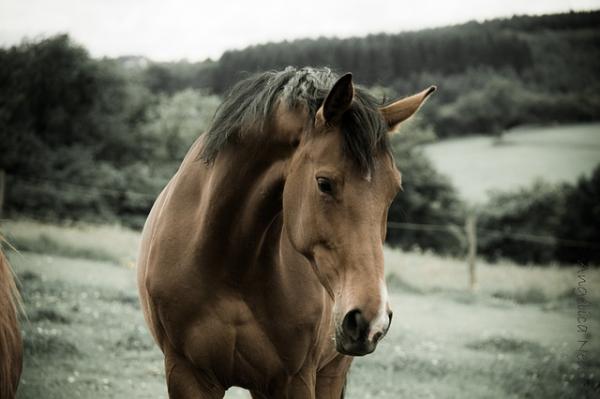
11,348
262,267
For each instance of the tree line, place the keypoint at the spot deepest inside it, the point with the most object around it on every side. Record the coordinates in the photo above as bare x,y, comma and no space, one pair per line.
492,75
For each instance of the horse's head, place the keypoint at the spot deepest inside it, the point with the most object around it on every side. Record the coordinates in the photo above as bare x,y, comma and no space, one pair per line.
335,210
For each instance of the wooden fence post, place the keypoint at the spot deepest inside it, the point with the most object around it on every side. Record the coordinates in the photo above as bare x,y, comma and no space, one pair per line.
471,232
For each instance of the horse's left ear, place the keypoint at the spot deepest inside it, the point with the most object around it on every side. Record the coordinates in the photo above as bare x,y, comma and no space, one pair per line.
337,102
402,109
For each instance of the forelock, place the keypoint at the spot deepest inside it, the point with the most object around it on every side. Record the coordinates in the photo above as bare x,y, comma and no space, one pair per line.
251,102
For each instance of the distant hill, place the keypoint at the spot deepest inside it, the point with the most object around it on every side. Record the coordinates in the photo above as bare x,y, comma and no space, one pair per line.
492,75
384,58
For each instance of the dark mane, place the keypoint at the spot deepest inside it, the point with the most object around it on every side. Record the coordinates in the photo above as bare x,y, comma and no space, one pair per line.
250,103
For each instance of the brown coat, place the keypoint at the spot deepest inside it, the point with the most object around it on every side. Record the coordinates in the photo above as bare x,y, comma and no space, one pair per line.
264,268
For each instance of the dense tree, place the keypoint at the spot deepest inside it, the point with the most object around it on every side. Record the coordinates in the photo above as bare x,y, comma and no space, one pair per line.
78,134
559,223
492,75
580,222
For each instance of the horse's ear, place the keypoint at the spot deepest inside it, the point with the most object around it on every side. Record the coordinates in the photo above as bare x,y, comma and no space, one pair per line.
402,109
338,100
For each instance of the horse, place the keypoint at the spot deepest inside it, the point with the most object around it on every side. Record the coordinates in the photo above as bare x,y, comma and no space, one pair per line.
261,262
11,345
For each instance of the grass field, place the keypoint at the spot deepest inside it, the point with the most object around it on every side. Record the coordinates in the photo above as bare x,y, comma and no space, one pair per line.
478,164
516,337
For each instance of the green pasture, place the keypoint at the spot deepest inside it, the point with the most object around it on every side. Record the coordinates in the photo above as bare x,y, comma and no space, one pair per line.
478,164
515,337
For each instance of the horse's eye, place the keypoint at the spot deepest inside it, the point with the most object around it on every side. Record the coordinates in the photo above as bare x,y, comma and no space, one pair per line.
325,185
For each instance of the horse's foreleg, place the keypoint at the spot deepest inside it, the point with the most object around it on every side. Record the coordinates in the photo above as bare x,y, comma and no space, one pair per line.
331,380
330,387
301,386
186,382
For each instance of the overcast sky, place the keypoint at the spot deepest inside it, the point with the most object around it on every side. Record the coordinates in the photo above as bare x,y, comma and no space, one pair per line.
194,30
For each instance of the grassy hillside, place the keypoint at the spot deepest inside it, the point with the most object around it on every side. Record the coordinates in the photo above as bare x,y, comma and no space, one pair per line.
479,164
516,337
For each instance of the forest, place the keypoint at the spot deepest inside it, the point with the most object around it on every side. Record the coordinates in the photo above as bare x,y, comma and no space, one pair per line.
96,139
492,75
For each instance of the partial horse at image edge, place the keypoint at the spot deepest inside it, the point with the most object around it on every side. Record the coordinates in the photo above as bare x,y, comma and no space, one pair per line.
11,344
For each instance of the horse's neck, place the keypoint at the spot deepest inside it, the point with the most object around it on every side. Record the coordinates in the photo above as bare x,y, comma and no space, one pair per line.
260,256
238,242
241,201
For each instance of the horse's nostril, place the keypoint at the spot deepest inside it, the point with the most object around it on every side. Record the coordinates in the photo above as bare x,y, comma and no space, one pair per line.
377,337
354,325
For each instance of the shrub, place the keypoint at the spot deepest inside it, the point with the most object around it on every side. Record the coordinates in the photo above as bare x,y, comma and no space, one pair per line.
561,223
536,210
427,197
580,221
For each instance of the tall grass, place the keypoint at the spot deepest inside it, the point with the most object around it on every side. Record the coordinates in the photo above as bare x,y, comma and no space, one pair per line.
426,272
112,243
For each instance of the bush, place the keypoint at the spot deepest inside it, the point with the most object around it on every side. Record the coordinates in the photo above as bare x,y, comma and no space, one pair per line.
545,212
83,139
536,210
176,121
427,198
580,221
490,108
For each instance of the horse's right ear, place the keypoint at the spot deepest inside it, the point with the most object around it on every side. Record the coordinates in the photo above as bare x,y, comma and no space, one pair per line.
337,102
403,109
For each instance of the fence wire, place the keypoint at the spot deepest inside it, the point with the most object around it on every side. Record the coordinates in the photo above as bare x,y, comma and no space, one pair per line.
454,229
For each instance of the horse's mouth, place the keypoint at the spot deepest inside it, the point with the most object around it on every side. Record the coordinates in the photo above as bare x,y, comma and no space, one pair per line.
349,347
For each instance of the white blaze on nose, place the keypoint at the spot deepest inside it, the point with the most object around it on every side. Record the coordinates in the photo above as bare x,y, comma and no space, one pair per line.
382,320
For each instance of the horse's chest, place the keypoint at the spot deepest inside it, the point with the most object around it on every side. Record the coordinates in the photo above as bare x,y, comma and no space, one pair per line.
245,345
260,354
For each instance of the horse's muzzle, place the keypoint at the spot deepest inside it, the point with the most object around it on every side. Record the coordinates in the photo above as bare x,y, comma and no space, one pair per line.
353,337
